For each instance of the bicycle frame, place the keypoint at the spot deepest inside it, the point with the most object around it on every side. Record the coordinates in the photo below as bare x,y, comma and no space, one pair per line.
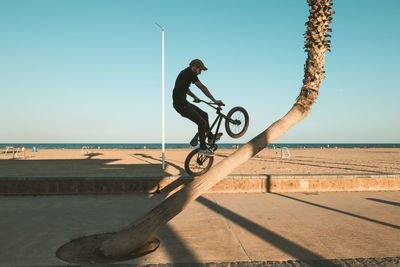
218,120
197,162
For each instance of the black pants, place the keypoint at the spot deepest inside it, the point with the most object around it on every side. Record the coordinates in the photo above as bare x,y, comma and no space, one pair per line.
199,117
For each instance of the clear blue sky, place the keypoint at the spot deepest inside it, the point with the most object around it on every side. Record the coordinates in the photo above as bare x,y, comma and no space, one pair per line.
90,71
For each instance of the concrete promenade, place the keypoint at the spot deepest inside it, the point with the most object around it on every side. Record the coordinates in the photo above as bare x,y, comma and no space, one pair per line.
318,208
130,171
253,229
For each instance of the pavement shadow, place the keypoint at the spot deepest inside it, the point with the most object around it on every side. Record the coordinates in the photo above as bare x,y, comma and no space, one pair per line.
91,155
384,201
340,211
269,236
326,164
147,158
146,168
75,167
175,247
174,186
321,164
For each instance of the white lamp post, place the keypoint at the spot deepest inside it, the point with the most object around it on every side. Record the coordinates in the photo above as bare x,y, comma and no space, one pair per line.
162,102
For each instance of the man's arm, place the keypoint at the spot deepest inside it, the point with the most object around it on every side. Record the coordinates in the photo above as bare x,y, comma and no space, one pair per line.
196,99
204,89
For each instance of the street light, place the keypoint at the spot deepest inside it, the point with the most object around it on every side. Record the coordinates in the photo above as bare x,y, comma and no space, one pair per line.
162,102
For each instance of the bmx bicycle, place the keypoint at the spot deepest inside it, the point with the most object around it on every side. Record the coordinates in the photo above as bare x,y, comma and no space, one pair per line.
236,124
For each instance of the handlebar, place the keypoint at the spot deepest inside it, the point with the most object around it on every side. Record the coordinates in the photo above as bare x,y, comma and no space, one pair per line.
211,104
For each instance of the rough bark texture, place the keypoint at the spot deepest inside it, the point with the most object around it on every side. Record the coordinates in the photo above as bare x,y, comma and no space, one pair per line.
316,44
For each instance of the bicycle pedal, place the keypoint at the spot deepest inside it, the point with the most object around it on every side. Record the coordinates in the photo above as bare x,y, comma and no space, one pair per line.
214,148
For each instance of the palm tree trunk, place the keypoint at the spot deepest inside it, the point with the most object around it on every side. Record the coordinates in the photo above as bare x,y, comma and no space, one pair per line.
135,235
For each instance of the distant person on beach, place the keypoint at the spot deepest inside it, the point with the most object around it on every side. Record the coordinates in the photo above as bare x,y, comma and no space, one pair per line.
188,110
275,149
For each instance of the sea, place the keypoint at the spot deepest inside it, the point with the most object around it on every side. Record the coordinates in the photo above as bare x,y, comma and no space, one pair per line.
184,145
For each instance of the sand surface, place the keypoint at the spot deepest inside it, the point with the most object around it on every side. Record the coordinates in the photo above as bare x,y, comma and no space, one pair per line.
76,162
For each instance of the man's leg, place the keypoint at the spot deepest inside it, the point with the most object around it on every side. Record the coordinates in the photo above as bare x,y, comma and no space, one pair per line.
190,112
203,114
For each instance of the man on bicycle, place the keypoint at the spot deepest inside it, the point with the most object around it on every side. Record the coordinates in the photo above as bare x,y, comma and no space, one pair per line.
190,111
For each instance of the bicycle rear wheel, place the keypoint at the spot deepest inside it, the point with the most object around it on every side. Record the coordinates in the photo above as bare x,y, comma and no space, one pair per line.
196,164
237,122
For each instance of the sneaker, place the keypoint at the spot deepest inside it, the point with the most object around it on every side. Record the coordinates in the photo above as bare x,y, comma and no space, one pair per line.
195,140
206,152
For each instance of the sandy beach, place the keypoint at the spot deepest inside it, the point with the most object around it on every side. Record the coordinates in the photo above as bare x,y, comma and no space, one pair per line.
75,162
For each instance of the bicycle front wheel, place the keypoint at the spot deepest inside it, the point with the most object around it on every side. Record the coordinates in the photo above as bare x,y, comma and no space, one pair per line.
196,164
237,122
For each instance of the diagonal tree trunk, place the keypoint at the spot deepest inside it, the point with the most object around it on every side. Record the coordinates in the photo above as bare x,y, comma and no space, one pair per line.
136,234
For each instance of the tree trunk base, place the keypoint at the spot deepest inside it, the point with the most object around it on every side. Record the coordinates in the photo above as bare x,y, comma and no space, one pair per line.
86,250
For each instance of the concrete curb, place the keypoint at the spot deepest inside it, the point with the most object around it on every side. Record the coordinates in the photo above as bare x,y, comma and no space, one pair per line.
96,184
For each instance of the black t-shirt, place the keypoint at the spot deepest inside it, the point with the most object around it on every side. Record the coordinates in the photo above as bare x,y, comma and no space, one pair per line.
182,83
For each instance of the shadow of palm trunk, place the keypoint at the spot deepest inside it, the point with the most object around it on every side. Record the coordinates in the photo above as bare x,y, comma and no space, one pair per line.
175,247
269,236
